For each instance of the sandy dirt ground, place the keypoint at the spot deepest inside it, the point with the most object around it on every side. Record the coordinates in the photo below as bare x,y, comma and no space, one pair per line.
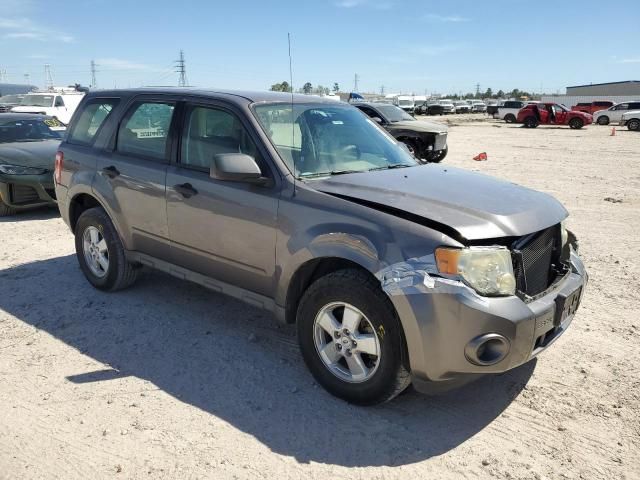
168,380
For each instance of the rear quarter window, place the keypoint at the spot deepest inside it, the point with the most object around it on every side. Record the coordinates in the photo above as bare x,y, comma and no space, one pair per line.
94,114
634,106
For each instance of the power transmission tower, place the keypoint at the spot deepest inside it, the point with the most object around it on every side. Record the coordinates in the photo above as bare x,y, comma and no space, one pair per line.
382,90
3,75
477,89
48,78
27,78
181,69
355,83
94,83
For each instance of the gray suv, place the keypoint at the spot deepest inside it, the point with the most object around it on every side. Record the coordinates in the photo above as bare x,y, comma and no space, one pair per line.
394,272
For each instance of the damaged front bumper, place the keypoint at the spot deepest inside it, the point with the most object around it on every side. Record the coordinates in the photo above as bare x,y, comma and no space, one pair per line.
453,334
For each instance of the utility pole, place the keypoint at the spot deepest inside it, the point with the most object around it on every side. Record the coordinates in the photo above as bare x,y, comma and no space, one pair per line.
355,83
48,78
382,90
27,78
94,83
181,69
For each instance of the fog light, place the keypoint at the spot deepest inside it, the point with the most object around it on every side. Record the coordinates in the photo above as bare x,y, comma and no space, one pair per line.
487,349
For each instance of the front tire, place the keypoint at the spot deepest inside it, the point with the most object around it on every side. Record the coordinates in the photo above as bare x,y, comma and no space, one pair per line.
576,123
603,120
100,252
351,339
633,124
438,156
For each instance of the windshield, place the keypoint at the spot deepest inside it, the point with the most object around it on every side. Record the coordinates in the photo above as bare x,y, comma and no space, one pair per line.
394,114
10,99
323,140
28,130
405,102
37,100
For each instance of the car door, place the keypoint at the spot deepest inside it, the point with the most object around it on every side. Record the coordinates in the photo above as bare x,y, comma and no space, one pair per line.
222,229
618,110
560,115
133,173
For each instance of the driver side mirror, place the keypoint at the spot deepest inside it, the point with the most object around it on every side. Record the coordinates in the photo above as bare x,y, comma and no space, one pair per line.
236,167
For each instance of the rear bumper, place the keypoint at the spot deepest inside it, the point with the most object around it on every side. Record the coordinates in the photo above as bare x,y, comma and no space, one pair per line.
23,192
445,320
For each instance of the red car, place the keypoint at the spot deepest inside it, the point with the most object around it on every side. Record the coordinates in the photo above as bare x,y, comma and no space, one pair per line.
552,114
592,107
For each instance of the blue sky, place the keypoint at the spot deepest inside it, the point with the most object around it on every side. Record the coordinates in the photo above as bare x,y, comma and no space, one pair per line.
444,46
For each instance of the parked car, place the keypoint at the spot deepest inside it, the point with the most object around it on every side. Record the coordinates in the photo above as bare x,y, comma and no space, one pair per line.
462,106
427,141
478,106
592,107
394,272
552,114
631,120
9,101
28,147
614,114
492,107
60,104
447,106
430,108
508,111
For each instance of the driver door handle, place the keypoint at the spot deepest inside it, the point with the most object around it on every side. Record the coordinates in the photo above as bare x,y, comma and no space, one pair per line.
186,190
111,171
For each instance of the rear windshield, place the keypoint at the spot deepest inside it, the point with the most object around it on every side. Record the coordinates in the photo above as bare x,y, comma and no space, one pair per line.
35,130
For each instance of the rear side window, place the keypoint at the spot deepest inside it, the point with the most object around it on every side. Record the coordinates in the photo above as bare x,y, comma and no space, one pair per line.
144,130
602,104
634,106
59,102
93,115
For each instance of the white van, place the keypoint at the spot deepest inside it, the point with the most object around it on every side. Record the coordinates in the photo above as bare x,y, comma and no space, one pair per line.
60,104
405,102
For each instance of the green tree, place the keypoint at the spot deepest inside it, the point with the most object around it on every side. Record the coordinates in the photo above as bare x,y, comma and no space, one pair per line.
488,93
500,94
336,87
281,87
307,88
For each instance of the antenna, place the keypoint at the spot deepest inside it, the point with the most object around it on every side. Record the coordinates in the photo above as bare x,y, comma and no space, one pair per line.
293,125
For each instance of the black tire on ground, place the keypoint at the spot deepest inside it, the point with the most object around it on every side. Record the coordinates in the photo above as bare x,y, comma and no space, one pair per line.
6,210
603,120
437,157
363,292
120,273
510,118
633,124
531,122
576,123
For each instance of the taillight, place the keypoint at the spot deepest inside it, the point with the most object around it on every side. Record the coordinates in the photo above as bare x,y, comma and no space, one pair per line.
58,169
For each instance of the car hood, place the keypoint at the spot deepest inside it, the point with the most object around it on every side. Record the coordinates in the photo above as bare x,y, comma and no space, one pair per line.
476,206
419,126
39,154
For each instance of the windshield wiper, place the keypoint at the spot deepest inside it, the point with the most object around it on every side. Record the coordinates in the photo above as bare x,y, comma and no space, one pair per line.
329,174
390,167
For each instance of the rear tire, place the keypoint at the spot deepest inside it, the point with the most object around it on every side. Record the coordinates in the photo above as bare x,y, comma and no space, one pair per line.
100,252
633,124
603,120
510,118
531,122
6,210
329,347
576,123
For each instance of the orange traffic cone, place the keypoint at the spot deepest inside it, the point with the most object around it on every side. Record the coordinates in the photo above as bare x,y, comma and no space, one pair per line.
613,131
480,157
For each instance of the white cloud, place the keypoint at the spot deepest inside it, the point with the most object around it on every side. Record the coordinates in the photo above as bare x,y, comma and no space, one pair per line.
630,60
375,4
26,29
447,18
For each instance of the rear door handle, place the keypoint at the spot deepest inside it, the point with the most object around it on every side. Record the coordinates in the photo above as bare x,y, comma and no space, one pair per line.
111,171
186,190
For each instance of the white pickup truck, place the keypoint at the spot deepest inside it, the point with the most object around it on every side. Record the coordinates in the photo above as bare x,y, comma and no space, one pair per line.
509,111
60,104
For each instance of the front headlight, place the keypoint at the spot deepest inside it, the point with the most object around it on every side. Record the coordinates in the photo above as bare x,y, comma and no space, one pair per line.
564,233
18,170
488,270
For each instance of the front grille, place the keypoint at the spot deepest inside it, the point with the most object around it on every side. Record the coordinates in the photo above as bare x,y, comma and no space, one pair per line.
536,258
4,108
23,194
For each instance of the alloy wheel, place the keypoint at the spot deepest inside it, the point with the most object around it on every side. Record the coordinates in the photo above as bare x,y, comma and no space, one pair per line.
96,252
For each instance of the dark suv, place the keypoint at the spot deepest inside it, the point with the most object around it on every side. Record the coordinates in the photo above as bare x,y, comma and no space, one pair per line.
394,272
